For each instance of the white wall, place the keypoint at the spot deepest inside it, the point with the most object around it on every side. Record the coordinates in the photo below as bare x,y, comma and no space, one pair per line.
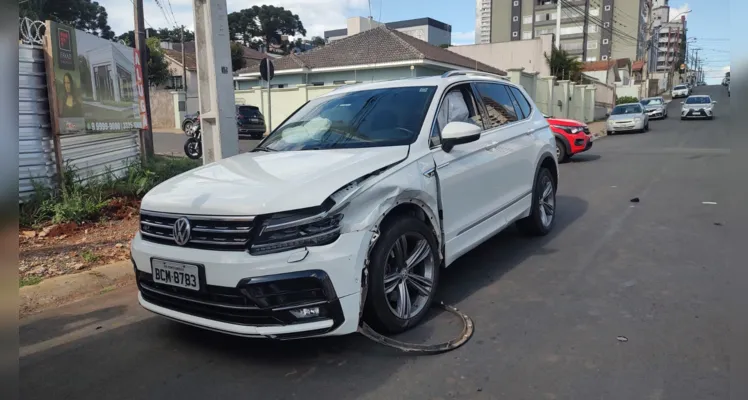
527,54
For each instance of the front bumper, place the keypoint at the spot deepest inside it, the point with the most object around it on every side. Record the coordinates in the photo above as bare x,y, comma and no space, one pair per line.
696,113
251,129
253,296
634,126
656,114
676,95
580,144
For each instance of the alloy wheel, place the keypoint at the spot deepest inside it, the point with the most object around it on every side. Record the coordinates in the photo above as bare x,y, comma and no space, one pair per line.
547,202
409,275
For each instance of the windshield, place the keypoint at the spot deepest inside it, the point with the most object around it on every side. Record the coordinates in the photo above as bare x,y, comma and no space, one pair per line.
680,87
627,109
367,118
698,100
652,102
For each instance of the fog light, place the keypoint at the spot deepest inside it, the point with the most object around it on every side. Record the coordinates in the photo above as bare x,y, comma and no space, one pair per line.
306,312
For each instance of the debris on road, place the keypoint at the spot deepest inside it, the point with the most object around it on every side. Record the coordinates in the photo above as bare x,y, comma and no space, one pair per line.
635,200
622,339
711,203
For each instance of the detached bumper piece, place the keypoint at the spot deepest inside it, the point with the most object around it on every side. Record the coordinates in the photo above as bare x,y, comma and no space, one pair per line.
268,301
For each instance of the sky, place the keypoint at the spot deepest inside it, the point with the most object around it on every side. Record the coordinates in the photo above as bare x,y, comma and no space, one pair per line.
320,15
709,24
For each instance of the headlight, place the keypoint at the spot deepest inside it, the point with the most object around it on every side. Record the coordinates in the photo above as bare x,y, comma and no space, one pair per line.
288,231
637,120
569,129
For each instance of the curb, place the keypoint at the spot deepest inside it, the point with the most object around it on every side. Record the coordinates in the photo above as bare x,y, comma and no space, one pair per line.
65,289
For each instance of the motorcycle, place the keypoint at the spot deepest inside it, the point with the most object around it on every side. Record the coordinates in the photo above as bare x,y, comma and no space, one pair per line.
193,147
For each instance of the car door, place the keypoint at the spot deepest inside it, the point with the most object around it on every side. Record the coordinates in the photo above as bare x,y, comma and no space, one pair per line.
515,147
463,172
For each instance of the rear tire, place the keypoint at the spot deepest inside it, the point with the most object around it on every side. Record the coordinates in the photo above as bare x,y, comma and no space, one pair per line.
391,278
543,209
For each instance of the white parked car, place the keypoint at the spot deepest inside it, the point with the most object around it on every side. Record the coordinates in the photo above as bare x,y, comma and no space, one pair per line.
680,91
699,106
348,210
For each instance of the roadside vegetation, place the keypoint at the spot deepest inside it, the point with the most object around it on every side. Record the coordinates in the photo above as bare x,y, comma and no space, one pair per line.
91,199
627,100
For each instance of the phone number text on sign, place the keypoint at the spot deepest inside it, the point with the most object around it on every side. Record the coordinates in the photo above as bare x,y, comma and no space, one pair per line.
112,126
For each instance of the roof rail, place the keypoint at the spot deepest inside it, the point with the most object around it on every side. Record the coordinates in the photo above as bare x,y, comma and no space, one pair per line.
471,72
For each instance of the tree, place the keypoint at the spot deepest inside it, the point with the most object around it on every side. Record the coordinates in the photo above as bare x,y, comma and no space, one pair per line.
265,22
165,34
158,68
444,45
237,56
564,66
86,15
318,41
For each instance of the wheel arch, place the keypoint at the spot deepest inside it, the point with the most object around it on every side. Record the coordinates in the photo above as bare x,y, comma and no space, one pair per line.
563,140
546,160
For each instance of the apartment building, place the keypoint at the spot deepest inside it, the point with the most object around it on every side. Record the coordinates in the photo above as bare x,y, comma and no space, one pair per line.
592,30
669,38
427,29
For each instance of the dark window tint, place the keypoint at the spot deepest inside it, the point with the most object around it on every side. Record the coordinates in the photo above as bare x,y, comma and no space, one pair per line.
698,100
498,104
458,105
524,105
248,111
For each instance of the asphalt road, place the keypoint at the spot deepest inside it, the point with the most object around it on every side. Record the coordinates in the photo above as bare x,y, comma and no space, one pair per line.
173,143
663,273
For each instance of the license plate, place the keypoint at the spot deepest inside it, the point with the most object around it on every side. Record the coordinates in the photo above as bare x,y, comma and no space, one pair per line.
175,274
255,120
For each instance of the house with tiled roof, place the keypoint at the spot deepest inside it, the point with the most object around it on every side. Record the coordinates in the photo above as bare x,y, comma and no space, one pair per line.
637,70
604,71
377,54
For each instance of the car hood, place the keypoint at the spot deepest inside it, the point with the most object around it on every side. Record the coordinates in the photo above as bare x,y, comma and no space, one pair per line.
654,107
565,122
623,117
262,183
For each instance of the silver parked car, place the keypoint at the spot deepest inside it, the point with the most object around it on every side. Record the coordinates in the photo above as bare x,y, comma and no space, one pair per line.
628,117
699,106
655,107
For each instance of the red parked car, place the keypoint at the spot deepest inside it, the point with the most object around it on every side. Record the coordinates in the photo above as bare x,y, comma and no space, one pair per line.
572,137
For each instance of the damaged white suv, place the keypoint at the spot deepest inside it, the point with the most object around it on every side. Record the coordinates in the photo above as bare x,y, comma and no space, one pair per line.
348,210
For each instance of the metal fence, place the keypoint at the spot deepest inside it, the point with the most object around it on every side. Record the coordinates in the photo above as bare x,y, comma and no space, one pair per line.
89,155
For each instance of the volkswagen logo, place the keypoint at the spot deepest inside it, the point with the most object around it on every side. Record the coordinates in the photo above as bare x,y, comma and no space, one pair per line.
182,231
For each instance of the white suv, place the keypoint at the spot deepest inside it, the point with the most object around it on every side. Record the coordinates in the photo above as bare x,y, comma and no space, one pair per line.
348,210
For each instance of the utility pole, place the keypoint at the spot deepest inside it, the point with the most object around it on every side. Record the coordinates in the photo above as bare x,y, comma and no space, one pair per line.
184,66
645,85
558,24
141,47
215,85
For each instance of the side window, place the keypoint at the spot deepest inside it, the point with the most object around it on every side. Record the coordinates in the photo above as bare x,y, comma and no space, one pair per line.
498,104
524,105
458,105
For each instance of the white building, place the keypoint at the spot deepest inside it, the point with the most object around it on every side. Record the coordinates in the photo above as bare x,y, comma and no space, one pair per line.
426,29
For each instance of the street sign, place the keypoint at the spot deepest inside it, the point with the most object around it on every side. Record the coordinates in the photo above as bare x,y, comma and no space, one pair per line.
267,69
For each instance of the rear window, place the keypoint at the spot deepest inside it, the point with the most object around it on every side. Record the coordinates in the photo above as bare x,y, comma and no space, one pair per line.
248,111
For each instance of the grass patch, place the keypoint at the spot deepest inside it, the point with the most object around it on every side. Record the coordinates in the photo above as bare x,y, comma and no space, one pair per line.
86,199
29,280
89,256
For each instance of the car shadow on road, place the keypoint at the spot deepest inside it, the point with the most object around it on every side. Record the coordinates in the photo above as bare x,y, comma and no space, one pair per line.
582,158
488,262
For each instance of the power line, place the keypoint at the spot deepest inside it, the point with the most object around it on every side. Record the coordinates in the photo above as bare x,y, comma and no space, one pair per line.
171,10
146,20
599,23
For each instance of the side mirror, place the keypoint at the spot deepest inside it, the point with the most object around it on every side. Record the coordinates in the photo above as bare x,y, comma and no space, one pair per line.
545,116
459,133
682,102
714,102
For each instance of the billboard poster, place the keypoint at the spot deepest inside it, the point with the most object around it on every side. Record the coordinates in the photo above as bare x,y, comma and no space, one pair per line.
96,86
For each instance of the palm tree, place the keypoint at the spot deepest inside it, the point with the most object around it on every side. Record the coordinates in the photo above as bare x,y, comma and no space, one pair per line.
563,65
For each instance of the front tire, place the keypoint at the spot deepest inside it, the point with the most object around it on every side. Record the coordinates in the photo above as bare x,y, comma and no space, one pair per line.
543,210
403,275
193,148
561,155
187,126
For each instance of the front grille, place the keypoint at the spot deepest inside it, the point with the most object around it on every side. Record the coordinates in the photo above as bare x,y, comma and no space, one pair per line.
206,232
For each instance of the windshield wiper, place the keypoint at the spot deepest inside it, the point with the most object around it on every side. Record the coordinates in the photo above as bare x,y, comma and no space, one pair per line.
263,148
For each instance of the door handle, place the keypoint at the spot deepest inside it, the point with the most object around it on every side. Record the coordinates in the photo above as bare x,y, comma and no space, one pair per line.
490,147
530,132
